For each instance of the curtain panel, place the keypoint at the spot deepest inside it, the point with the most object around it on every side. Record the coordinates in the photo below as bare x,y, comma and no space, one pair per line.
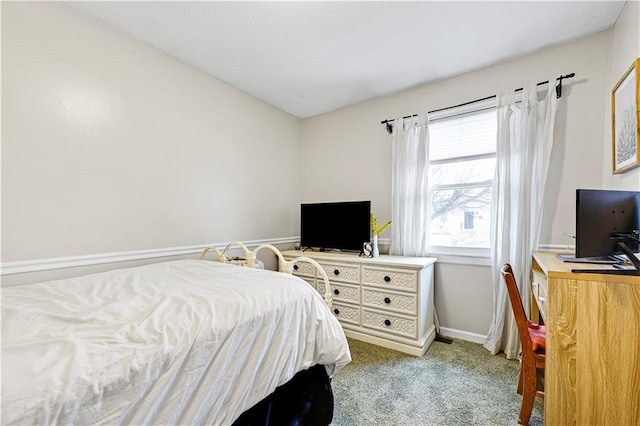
410,207
524,145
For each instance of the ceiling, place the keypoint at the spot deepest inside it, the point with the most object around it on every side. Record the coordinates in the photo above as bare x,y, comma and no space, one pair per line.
308,58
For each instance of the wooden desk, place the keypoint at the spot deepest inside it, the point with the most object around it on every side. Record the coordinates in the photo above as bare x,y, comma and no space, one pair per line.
592,372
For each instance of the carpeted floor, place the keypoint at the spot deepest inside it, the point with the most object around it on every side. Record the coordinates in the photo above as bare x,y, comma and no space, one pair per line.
452,384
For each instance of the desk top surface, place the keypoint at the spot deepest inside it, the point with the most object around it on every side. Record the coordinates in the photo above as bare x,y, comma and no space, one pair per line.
552,266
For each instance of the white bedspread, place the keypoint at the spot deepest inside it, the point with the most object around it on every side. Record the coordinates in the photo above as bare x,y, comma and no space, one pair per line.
182,342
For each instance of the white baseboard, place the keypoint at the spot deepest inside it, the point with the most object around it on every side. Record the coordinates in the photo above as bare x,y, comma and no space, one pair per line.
34,265
462,335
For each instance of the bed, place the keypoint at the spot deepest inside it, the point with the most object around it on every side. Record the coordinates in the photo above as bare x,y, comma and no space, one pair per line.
179,342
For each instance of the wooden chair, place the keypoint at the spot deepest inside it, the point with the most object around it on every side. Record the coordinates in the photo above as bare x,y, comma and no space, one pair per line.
532,339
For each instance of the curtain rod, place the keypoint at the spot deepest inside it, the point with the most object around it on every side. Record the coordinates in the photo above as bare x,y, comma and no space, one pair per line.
558,95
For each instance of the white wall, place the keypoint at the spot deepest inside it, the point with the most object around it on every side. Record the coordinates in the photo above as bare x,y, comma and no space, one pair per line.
109,145
341,147
625,48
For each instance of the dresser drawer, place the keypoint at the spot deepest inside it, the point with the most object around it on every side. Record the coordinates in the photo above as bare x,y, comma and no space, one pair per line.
391,323
403,303
342,272
390,278
345,292
346,313
304,269
311,281
317,284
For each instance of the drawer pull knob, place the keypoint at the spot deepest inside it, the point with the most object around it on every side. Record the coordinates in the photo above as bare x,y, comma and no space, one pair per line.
336,272
387,322
296,267
336,291
387,278
541,299
336,311
534,284
387,300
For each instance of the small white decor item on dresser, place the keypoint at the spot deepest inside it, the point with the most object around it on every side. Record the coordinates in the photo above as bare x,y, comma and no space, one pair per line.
375,251
377,231
367,250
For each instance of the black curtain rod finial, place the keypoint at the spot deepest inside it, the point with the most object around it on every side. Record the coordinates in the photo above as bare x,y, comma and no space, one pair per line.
559,86
389,127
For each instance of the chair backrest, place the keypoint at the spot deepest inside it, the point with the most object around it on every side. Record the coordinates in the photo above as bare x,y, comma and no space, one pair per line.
518,309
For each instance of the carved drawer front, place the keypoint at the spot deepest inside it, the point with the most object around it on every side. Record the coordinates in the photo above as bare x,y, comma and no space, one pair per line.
346,313
342,272
311,282
320,286
395,279
404,303
304,268
407,327
345,292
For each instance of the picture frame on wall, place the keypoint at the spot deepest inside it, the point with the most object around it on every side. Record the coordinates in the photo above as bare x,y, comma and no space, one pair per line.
625,120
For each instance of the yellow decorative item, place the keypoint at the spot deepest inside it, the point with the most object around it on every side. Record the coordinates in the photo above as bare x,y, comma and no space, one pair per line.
376,231
374,225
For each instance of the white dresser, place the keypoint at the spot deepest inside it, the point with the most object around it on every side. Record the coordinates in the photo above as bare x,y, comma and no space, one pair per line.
387,301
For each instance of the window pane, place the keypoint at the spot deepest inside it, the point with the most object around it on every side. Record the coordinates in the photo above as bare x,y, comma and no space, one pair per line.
463,136
462,172
461,217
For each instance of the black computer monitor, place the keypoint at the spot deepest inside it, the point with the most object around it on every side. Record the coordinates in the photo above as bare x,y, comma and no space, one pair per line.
607,223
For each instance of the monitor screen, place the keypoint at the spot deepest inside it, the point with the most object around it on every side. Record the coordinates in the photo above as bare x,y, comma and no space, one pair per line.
341,225
603,214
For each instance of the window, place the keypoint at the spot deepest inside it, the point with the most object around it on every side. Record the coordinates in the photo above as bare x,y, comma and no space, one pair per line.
462,159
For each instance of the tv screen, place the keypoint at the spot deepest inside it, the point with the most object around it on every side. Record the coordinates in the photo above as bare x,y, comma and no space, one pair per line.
603,214
342,225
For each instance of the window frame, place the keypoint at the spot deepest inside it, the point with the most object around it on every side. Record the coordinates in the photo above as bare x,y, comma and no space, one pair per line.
458,254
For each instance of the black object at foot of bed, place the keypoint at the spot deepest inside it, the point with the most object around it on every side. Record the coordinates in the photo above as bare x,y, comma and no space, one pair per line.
307,399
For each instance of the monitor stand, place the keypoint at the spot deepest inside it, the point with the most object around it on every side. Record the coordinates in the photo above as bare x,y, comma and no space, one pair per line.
632,257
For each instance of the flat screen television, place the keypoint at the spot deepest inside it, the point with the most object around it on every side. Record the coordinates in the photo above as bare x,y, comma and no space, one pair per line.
607,223
340,225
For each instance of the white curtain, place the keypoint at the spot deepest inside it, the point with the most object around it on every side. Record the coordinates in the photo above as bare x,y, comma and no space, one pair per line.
410,212
524,144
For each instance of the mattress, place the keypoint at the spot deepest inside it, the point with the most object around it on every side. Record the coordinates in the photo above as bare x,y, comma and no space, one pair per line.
181,342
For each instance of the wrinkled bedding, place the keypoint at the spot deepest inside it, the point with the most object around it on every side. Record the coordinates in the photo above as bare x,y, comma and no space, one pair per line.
181,342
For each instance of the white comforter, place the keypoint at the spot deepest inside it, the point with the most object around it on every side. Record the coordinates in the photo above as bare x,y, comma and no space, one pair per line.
182,342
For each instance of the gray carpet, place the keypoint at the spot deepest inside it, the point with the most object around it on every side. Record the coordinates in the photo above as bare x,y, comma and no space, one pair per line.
452,384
